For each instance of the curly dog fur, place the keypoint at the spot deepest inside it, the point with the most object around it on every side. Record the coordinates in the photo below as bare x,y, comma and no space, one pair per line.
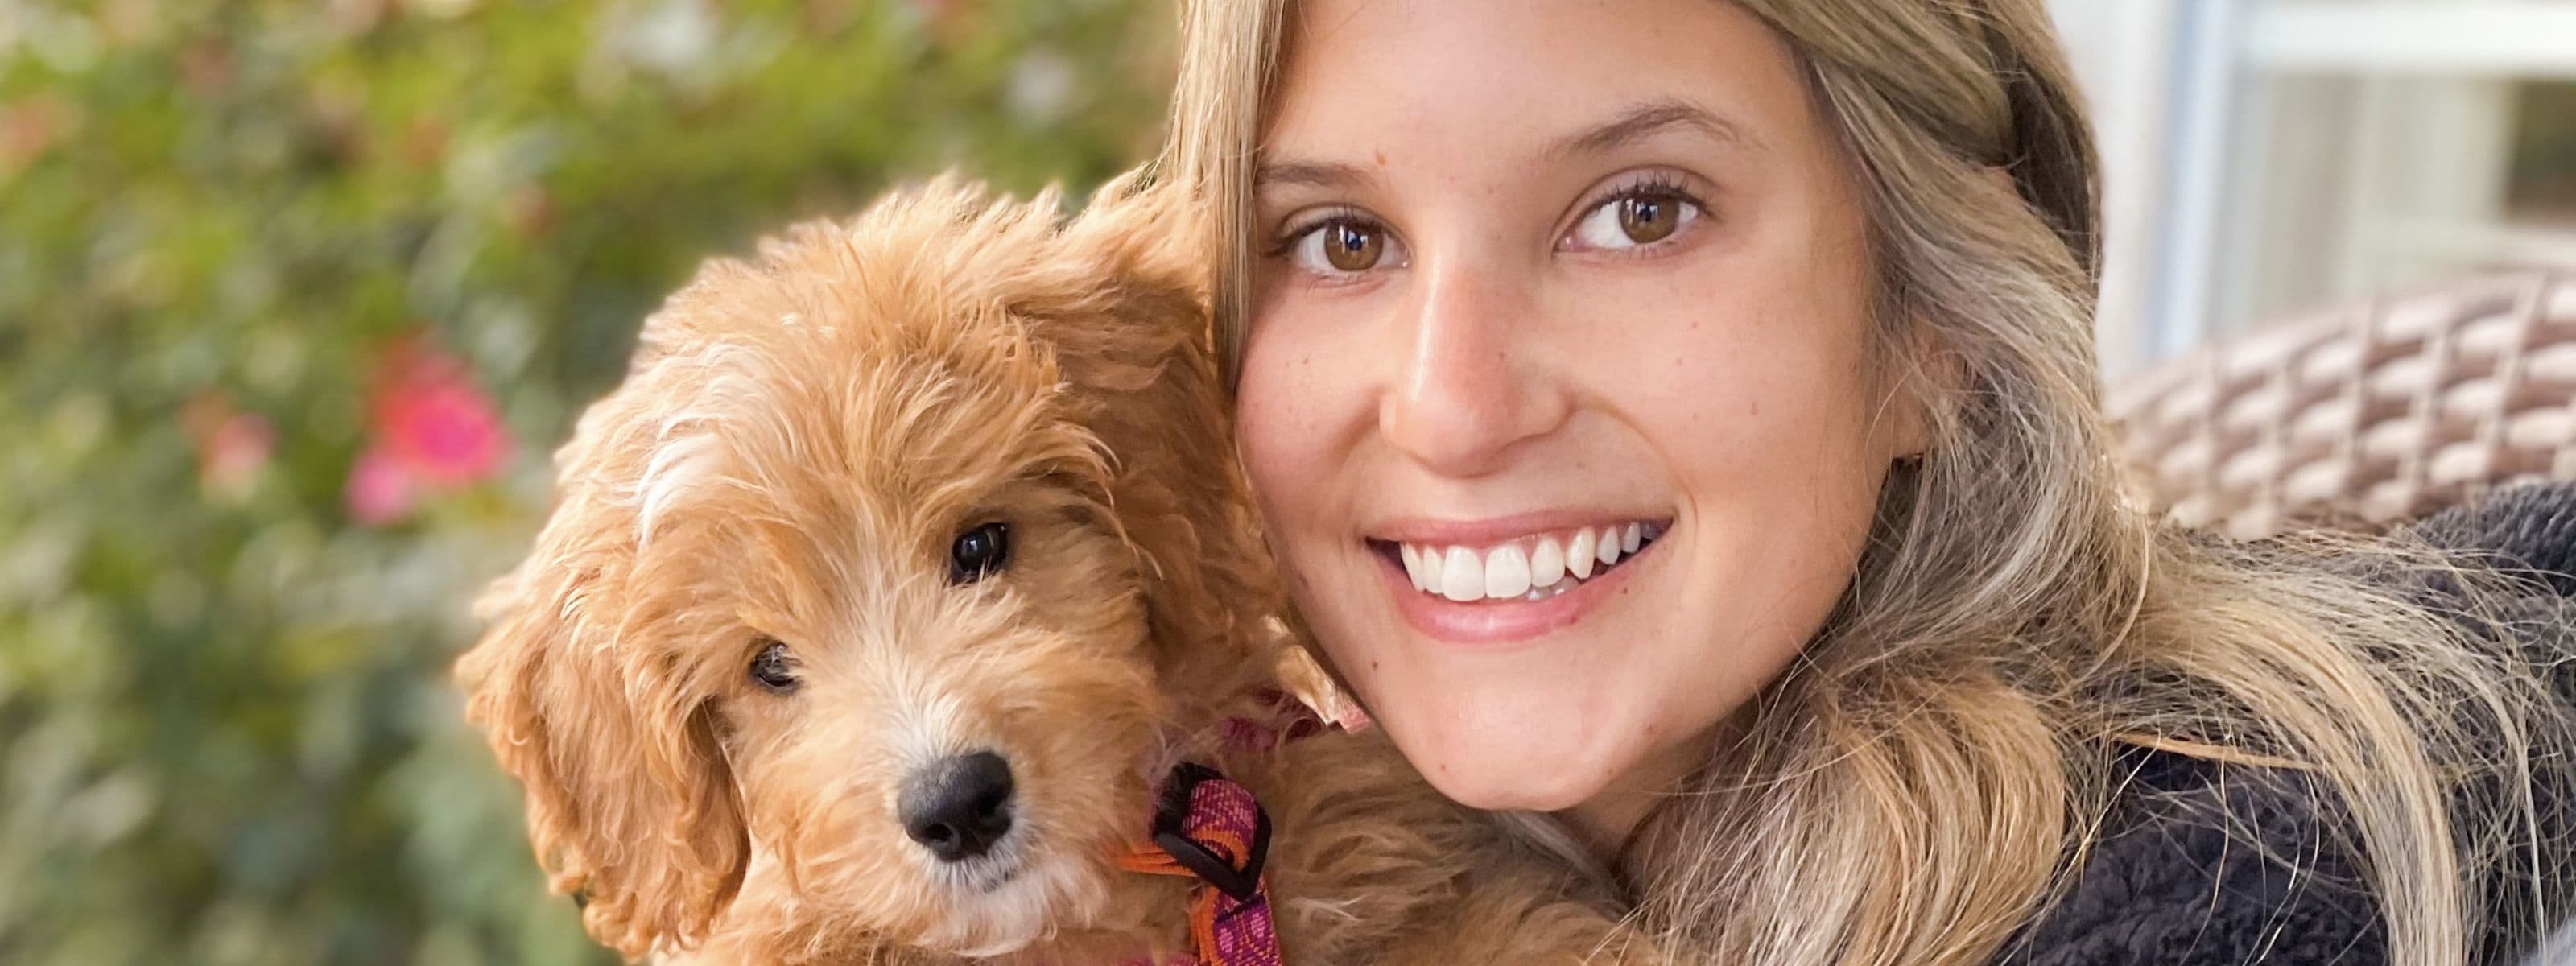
800,438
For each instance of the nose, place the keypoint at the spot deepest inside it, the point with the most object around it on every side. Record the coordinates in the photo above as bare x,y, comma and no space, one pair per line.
958,806
1469,388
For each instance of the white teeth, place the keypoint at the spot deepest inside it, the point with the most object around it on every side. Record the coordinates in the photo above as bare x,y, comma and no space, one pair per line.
1531,568
1547,563
1507,573
1462,576
1578,554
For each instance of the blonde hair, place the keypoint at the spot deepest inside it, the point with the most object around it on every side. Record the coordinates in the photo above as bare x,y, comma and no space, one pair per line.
1923,780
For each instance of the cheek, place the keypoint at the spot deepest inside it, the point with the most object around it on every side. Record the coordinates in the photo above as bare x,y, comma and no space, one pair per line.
1295,408
1763,416
1758,371
796,758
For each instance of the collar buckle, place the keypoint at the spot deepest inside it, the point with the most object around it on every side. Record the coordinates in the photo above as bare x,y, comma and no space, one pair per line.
1238,877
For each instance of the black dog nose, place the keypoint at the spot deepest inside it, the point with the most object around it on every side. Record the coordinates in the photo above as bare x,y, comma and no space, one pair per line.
958,806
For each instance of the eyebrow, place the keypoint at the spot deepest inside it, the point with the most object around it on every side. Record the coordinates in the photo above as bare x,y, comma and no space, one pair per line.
1631,126
1314,173
1648,119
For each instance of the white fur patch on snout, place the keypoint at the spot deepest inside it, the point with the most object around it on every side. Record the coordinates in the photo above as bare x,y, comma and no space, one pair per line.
930,724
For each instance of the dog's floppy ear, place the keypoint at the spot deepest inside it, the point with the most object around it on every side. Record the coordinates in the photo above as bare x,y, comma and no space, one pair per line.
630,806
1137,353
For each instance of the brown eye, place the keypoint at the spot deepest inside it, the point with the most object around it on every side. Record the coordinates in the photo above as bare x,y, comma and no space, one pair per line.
1352,247
773,668
1647,219
1344,245
1638,217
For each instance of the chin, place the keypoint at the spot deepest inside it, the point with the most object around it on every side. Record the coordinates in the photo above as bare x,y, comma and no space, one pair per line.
1543,768
1009,912
1516,793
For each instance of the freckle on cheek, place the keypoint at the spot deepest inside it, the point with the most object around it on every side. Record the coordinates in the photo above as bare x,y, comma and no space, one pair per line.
1380,155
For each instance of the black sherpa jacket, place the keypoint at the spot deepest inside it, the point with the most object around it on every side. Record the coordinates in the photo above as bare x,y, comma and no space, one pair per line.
2200,864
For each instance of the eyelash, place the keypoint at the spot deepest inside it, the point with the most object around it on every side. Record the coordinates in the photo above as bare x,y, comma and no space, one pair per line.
1651,184
1337,215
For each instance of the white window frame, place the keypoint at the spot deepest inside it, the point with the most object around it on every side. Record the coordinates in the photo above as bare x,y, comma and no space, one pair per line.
2169,78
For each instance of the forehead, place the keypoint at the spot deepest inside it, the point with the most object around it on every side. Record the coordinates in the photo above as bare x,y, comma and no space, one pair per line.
915,413
839,407
1469,86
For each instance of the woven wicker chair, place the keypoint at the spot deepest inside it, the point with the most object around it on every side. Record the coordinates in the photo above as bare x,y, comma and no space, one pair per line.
2364,416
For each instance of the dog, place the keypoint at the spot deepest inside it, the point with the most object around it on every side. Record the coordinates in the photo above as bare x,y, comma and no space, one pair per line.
907,583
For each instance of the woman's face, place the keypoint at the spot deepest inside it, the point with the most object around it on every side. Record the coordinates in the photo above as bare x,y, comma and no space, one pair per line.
1557,398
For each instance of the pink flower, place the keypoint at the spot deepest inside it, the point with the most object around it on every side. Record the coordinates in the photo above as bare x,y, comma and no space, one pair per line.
438,426
379,491
431,431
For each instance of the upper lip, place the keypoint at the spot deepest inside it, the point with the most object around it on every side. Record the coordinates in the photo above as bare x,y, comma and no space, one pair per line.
1469,533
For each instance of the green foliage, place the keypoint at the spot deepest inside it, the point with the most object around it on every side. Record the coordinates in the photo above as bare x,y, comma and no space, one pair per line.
226,729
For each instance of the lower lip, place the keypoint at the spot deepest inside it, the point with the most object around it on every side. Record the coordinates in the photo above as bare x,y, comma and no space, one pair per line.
1494,622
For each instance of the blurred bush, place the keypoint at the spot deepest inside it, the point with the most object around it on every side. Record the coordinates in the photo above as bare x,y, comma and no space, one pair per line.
295,297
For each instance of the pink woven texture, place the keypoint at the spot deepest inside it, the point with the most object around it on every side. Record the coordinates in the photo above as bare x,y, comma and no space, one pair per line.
2361,416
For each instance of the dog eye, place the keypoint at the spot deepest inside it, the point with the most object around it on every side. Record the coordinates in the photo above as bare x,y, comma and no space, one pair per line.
979,553
774,668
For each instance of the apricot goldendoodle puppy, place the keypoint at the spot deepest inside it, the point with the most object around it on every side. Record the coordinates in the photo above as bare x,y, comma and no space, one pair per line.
905,567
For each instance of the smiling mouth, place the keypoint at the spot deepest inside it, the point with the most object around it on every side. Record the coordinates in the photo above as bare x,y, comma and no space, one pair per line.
1526,569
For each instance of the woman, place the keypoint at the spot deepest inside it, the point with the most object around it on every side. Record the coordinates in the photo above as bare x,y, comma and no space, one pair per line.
1677,421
